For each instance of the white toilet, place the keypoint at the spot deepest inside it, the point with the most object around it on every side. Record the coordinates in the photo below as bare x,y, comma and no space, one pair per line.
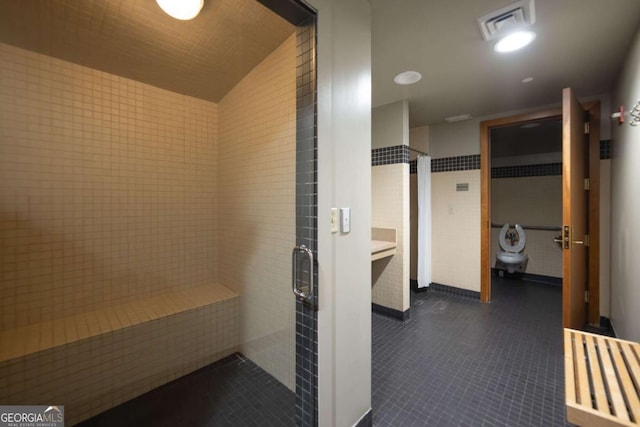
512,243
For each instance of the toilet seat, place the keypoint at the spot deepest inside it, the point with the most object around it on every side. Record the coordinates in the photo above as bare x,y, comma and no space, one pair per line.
518,247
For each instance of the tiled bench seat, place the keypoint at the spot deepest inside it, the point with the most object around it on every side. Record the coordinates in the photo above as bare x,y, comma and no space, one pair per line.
92,361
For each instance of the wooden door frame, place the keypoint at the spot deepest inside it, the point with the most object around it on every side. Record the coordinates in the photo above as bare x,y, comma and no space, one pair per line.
594,199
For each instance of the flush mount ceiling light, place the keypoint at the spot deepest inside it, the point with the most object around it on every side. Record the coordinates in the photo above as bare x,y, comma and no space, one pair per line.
530,125
181,9
459,118
407,78
514,41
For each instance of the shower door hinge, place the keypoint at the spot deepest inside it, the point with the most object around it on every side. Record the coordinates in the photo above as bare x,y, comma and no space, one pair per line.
586,296
587,184
586,128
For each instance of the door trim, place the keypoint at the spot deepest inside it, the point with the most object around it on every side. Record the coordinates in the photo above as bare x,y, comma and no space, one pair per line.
485,188
593,109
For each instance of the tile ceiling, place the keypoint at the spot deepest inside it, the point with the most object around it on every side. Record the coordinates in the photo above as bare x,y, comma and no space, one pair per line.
204,57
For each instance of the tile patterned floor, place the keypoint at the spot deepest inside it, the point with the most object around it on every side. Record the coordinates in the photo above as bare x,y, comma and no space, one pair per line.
231,392
458,362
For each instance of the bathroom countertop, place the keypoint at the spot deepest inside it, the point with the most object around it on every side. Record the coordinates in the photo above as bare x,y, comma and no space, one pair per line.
382,249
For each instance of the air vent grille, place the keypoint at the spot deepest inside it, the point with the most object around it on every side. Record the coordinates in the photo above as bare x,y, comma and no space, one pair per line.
517,15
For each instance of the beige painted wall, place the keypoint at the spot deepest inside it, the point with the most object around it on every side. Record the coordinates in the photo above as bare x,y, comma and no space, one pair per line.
108,189
456,229
390,209
625,205
532,200
256,190
344,180
390,125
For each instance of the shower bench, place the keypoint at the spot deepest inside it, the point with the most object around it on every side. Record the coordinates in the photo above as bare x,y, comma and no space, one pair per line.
95,360
602,380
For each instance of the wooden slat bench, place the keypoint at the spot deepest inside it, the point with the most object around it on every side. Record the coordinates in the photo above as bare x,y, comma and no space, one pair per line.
602,380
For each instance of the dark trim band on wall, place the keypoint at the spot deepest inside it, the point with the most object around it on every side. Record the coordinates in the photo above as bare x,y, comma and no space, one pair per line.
544,169
606,149
390,155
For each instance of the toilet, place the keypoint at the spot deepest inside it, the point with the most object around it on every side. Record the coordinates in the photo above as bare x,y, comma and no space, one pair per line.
510,258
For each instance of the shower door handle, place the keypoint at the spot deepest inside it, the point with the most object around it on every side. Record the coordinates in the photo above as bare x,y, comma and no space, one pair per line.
305,292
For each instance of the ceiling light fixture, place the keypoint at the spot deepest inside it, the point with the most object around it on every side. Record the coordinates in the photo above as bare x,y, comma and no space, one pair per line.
530,125
514,41
181,9
407,78
459,118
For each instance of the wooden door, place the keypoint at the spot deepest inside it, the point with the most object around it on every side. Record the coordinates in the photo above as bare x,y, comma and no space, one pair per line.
574,211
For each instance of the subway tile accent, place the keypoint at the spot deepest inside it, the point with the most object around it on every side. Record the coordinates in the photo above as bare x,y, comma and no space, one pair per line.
390,155
460,163
448,164
606,149
544,169
307,219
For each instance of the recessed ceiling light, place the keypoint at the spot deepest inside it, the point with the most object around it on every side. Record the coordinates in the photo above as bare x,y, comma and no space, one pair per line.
407,78
514,41
181,9
530,125
458,118
527,80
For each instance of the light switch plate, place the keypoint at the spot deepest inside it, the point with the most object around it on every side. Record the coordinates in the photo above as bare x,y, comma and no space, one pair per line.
345,220
334,220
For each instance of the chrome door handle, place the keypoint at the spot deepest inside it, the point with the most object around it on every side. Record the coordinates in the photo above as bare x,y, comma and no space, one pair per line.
557,240
577,242
308,293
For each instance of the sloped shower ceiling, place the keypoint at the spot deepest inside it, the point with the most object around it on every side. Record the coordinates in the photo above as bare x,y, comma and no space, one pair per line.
204,57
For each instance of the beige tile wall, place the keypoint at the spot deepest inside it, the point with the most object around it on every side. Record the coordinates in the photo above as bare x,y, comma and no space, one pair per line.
533,200
390,209
107,189
107,199
456,229
257,208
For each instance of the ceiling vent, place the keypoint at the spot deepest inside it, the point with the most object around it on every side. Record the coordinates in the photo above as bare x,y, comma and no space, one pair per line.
515,16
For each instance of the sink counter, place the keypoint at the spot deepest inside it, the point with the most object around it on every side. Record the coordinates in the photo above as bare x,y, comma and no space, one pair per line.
383,243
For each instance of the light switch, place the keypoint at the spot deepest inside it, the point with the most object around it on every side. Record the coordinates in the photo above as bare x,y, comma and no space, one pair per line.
334,220
345,220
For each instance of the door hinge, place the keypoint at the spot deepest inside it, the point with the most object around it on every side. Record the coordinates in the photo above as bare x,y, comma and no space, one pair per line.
587,241
587,184
586,128
586,296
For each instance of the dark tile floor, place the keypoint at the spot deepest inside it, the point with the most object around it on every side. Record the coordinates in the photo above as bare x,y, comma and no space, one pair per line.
458,362
231,392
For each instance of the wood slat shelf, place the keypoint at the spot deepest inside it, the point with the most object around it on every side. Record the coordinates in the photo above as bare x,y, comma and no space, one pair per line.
602,380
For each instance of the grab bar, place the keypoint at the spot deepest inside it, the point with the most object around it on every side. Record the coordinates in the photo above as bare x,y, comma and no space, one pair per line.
531,227
306,293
